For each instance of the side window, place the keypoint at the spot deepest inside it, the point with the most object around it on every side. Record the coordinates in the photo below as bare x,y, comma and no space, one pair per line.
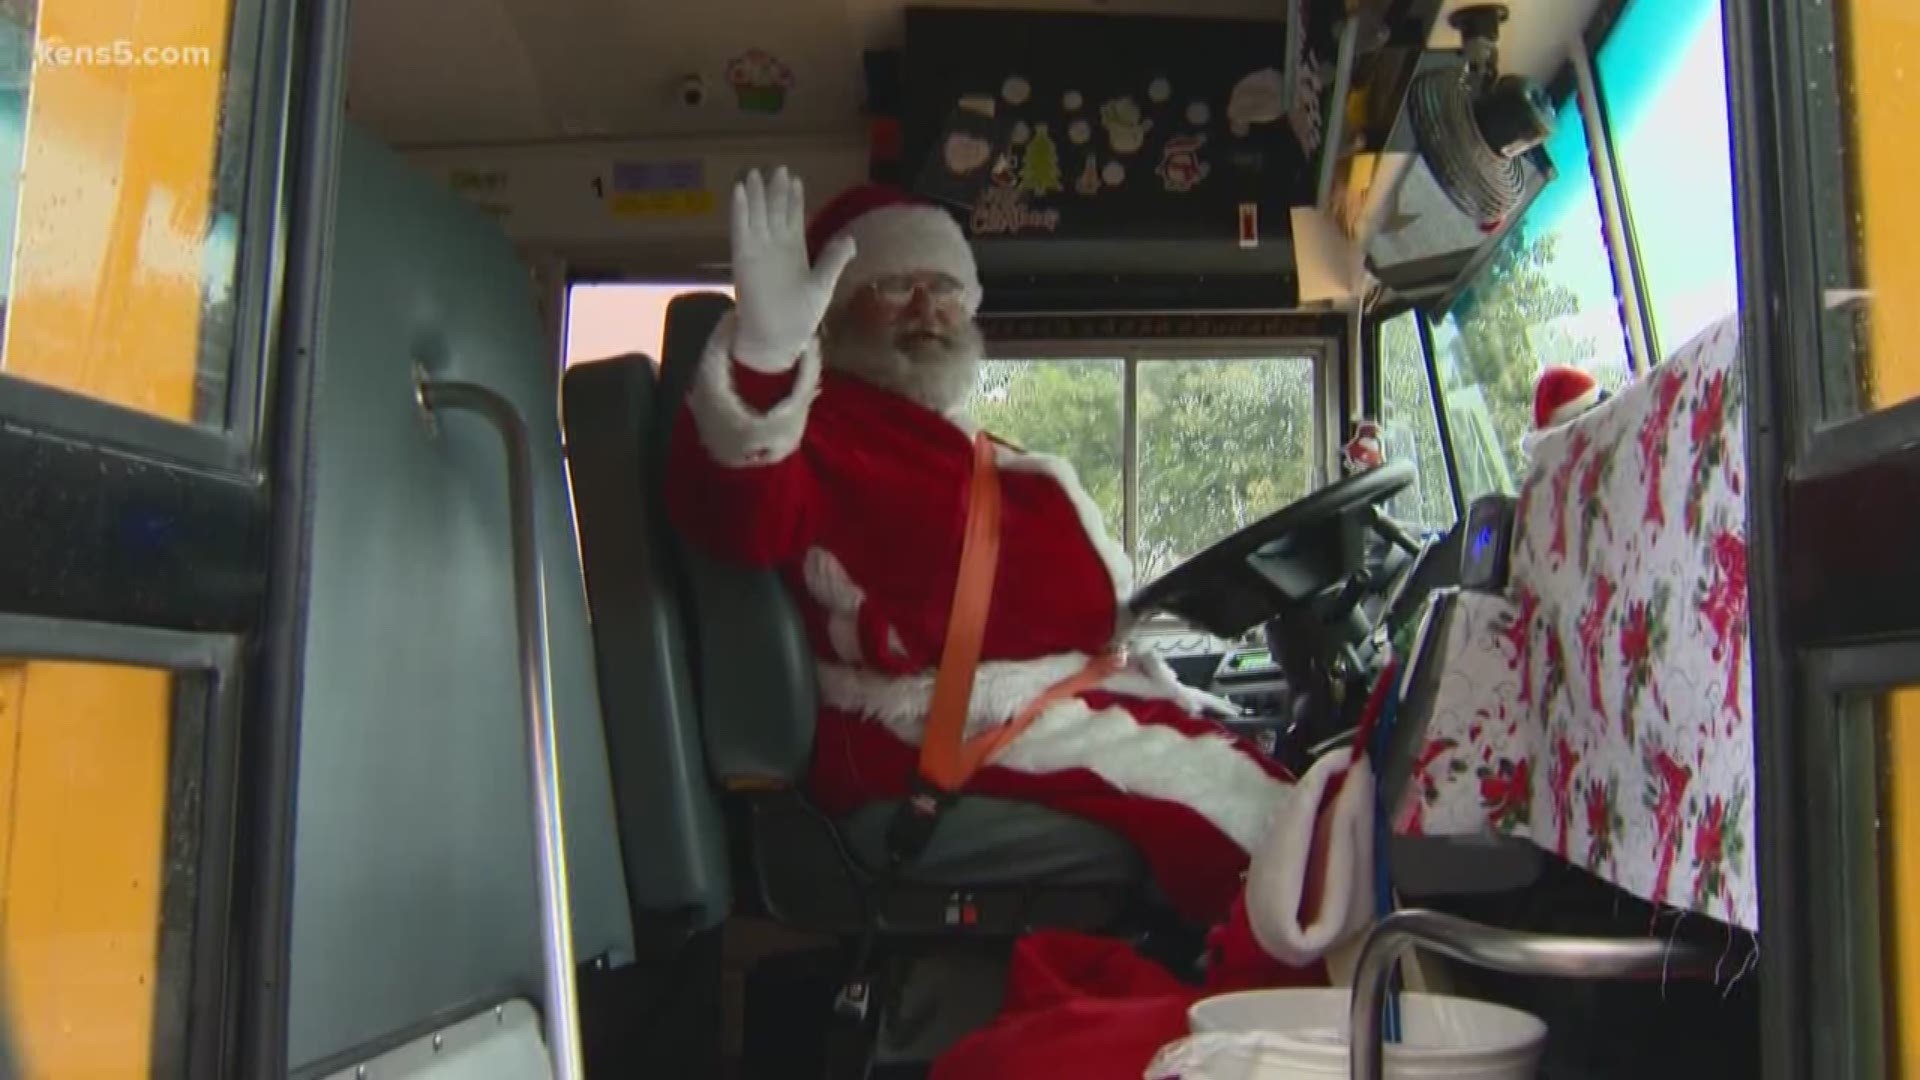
1547,296
1412,427
1663,76
1069,408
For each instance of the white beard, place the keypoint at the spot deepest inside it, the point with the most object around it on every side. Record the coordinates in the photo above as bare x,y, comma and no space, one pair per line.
937,372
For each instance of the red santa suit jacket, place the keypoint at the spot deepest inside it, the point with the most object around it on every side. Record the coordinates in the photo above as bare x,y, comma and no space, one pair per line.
858,496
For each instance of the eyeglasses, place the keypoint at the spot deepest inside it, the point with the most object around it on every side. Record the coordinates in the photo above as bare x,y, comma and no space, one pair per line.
896,290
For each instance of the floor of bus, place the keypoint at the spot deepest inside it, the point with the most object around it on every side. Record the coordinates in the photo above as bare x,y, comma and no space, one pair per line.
690,1016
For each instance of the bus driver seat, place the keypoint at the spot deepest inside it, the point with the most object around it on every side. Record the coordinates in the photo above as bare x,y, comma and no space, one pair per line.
993,869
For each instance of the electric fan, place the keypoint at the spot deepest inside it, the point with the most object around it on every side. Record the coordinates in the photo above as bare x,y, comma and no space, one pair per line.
1473,124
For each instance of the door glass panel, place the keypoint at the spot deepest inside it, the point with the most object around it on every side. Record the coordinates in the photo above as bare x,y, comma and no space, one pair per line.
121,184
1412,428
1871,287
1898,721
101,770
1222,444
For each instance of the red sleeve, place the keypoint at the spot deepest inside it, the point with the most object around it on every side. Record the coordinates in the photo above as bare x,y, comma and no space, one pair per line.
739,483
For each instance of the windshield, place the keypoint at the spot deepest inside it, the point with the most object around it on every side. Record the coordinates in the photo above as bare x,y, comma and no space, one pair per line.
1545,297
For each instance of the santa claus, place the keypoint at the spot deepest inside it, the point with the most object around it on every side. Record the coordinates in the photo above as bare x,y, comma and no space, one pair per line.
825,435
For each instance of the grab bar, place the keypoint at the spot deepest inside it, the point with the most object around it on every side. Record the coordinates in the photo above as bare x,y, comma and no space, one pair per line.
1512,951
530,610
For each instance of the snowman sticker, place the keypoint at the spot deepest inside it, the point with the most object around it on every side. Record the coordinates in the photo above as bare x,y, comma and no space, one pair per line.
1180,165
1126,130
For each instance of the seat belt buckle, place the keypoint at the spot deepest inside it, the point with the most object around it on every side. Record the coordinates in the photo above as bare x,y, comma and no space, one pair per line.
914,820
853,999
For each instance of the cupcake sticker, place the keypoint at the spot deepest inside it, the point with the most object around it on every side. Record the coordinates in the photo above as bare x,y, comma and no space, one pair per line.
760,81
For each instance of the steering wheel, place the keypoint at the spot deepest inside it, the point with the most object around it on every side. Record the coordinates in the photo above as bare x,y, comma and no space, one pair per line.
1283,560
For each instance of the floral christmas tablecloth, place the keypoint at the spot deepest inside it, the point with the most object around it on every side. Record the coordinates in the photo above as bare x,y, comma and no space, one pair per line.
1602,707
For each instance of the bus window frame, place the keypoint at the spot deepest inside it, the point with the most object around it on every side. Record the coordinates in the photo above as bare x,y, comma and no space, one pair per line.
257,46
1374,382
213,662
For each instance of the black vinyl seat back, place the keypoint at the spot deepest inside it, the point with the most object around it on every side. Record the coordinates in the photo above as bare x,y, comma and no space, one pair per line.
672,830
753,664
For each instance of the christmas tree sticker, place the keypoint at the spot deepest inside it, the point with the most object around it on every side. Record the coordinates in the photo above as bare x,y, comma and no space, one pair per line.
1040,167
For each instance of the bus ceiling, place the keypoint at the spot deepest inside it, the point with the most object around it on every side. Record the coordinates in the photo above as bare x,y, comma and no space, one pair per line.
606,134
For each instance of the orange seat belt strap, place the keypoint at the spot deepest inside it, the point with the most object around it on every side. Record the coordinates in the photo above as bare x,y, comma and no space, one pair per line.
941,745
947,757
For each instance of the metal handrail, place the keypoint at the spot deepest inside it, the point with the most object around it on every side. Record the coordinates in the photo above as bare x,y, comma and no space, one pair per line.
530,610
1512,951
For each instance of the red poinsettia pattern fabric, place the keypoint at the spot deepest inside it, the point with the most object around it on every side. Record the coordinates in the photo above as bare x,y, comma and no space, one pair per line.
1603,707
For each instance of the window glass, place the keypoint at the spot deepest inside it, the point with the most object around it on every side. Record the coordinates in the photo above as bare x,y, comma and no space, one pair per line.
616,319
123,171
1222,443
1545,297
1663,75
1898,849
100,774
1871,284
1068,408
1412,429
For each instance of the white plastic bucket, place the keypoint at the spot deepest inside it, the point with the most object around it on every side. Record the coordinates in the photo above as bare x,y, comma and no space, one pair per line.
1304,1037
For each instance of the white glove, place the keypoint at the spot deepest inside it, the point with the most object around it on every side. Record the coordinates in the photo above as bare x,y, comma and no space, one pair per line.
780,298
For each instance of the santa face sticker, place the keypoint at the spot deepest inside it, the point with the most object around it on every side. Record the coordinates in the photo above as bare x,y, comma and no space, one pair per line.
965,153
1114,174
1198,113
1159,90
1180,165
1040,167
1126,131
1071,101
1256,99
1079,132
760,81
1016,90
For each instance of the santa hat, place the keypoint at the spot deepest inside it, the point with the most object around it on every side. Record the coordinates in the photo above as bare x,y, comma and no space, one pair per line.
1562,393
893,233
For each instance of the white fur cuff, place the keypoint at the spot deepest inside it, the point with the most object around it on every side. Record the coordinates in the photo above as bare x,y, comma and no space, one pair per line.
1278,873
729,428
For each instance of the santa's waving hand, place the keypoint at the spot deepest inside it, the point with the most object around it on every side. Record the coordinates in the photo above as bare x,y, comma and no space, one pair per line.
782,295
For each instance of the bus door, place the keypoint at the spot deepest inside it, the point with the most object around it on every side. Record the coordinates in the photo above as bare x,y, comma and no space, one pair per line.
140,842
1829,226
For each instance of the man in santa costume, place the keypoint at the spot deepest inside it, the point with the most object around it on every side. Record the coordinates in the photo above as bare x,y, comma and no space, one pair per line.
824,435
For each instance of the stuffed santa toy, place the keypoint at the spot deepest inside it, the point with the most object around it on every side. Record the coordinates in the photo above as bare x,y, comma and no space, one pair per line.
824,435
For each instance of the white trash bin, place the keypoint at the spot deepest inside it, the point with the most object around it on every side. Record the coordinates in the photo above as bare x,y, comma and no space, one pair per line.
1302,1035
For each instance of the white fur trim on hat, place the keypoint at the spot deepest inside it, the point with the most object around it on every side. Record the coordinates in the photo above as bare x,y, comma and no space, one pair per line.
1278,873
906,240
1574,406
731,430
